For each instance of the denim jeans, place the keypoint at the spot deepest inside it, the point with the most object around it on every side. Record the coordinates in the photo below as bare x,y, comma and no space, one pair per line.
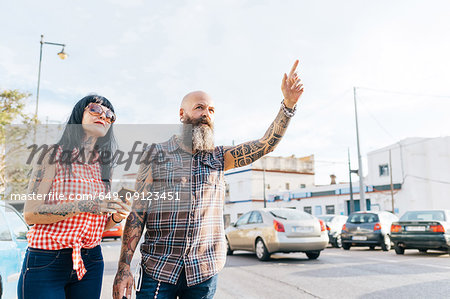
48,274
153,289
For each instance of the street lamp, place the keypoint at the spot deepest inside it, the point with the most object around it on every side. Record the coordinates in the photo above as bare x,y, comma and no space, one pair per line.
63,55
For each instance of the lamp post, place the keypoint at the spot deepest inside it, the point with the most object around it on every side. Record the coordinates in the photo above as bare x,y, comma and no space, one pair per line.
62,55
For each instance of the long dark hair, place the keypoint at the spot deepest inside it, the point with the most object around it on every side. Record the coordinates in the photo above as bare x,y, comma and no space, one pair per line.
73,135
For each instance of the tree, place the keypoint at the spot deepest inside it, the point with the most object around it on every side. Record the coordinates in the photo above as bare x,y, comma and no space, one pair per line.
13,174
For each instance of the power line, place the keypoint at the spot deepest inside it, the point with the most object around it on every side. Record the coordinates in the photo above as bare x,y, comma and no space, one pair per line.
339,97
329,162
427,179
376,120
404,93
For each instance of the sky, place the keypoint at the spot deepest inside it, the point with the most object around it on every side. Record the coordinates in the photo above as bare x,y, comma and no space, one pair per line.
146,55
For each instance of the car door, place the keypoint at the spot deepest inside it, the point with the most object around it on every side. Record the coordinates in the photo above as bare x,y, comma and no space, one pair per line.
19,231
252,229
8,257
236,236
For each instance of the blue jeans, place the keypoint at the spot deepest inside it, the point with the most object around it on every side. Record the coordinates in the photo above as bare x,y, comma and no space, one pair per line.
48,274
151,288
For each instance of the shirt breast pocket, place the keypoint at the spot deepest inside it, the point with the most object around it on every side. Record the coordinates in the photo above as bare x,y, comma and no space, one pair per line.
168,175
212,174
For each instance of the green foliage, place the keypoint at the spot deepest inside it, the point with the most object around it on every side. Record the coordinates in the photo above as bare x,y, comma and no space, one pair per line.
13,175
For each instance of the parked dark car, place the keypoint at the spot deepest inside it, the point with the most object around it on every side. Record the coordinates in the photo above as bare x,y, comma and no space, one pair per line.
422,230
368,229
334,225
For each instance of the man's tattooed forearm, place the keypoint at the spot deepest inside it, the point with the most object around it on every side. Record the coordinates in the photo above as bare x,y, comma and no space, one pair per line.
249,152
133,231
131,235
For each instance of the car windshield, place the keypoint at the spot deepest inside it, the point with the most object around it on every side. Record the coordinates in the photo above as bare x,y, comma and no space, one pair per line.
363,218
423,215
326,218
289,214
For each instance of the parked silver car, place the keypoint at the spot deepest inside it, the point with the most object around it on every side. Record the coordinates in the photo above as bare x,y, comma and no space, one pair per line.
334,225
267,231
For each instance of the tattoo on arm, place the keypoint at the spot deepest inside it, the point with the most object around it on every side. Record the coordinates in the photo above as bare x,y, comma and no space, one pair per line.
249,152
136,219
60,209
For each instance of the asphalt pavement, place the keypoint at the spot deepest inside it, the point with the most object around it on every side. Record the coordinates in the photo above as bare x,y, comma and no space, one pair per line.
357,273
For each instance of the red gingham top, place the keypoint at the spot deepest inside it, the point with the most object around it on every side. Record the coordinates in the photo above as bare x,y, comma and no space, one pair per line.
81,231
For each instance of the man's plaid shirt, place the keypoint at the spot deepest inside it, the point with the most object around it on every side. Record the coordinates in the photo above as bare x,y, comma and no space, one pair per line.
188,232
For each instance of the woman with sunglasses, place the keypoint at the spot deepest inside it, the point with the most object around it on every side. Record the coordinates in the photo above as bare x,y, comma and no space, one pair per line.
64,258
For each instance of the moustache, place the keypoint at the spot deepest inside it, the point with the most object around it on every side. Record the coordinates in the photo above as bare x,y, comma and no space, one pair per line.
199,121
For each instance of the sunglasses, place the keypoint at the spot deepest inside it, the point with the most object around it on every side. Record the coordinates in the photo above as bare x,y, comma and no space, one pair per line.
97,110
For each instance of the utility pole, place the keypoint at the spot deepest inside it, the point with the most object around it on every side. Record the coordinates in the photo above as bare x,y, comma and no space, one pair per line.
263,161
392,185
352,202
264,184
362,195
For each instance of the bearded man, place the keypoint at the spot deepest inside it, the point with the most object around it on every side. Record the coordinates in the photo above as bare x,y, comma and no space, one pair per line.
184,246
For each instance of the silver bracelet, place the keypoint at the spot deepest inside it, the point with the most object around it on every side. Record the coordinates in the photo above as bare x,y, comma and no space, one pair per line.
288,111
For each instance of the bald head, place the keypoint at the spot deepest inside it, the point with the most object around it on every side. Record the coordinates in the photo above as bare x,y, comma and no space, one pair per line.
197,105
193,97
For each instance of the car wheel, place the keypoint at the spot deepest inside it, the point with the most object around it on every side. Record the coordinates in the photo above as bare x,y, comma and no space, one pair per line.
229,251
423,250
346,246
312,255
399,250
372,247
261,250
337,242
386,244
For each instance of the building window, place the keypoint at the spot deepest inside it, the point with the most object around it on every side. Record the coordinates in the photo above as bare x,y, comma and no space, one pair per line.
241,186
318,210
226,220
384,169
329,210
307,210
287,186
302,186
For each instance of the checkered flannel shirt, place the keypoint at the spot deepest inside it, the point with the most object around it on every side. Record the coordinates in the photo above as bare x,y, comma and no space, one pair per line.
189,232
83,230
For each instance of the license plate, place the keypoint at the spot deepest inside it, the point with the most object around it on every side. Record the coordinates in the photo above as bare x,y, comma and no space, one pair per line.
415,228
359,238
302,229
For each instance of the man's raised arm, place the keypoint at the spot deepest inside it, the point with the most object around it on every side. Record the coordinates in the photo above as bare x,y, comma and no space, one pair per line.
132,234
248,152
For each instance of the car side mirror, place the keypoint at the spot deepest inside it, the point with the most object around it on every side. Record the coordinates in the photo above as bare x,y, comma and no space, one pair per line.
233,224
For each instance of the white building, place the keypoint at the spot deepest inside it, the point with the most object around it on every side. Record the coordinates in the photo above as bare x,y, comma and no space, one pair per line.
421,166
245,185
279,173
420,170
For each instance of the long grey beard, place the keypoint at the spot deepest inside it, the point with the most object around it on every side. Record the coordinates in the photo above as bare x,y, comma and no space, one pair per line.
202,138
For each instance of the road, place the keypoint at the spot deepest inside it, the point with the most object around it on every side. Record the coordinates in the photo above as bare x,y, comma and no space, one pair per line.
337,273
